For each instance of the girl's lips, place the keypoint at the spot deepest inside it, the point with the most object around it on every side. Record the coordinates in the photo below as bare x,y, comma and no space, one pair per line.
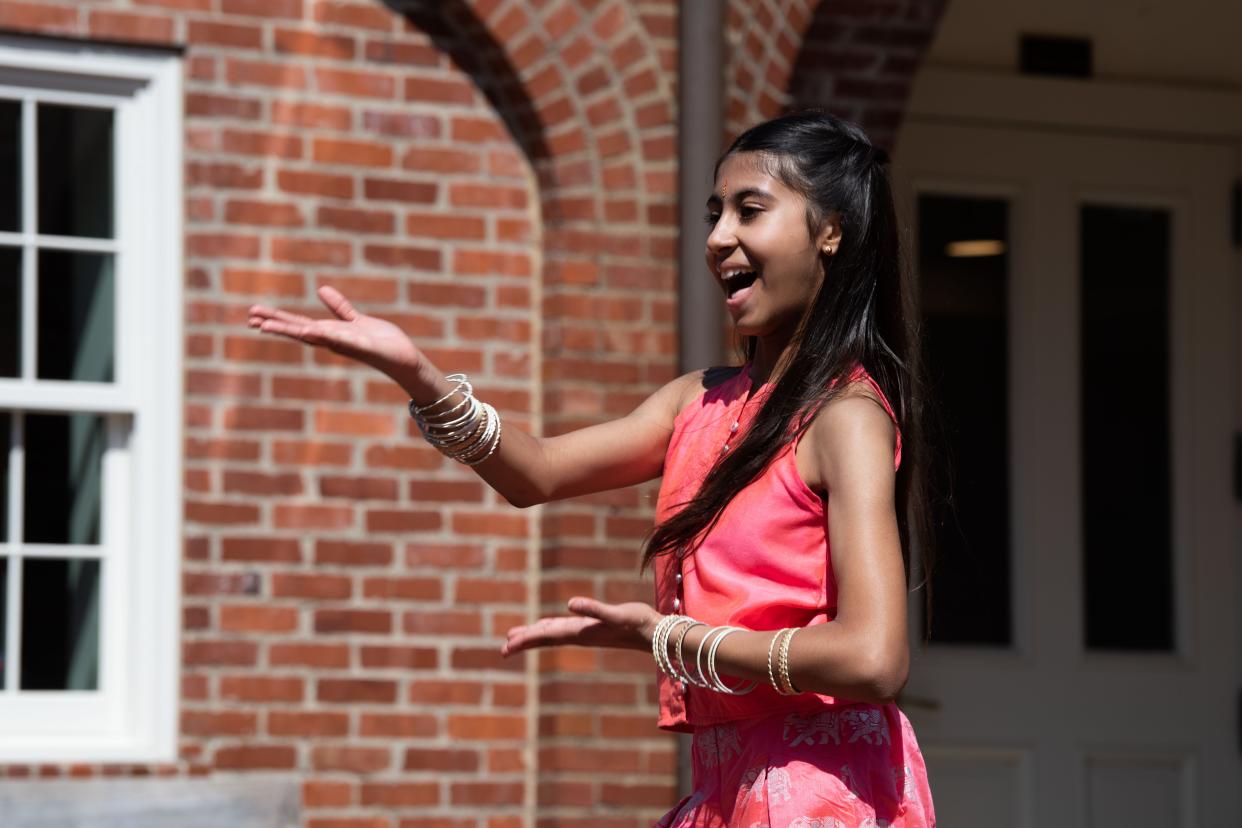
738,299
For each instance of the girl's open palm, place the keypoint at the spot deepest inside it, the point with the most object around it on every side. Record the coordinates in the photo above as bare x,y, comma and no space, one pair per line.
627,626
365,338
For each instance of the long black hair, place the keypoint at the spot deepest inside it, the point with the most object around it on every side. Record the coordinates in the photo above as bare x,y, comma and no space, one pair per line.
862,313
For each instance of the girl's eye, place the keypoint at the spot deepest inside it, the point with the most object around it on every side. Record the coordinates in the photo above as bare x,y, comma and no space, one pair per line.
745,211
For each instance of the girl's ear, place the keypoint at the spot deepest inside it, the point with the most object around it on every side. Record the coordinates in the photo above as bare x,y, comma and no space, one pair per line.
829,238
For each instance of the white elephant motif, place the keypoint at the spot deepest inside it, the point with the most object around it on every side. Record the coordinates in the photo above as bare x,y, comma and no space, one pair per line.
867,724
871,822
780,786
816,822
903,780
805,728
750,784
714,745
704,746
728,742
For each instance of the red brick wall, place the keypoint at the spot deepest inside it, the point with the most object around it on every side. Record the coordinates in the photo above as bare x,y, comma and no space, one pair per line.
384,573
856,58
498,176
859,58
761,45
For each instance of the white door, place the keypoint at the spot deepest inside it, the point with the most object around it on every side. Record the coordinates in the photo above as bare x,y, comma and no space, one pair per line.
1082,670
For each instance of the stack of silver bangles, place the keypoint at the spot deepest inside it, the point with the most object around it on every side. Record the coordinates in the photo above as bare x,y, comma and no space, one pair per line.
468,432
678,671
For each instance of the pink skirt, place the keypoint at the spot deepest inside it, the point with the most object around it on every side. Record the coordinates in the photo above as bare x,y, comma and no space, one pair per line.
848,766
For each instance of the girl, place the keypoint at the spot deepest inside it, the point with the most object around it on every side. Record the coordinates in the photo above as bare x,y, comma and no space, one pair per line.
789,500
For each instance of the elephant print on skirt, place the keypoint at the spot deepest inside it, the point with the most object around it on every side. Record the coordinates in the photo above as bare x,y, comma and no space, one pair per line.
849,766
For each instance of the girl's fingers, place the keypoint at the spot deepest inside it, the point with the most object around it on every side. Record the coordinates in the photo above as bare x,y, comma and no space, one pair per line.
329,333
596,609
337,303
266,312
546,632
277,326
310,334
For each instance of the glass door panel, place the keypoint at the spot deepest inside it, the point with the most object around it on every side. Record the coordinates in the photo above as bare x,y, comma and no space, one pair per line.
964,274
6,449
1126,445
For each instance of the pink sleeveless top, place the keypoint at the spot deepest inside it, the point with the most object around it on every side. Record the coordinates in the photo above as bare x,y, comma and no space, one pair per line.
766,564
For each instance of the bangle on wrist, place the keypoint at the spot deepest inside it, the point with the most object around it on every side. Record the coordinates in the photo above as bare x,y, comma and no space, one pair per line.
698,655
459,381
468,432
783,663
771,671
779,675
681,661
659,642
717,683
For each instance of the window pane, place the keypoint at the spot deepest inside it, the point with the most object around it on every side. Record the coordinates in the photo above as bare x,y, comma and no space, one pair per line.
10,165
4,619
75,328
60,624
1126,449
75,170
6,446
964,272
10,312
64,462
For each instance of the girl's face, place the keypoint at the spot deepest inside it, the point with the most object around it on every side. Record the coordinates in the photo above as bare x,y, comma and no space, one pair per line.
759,249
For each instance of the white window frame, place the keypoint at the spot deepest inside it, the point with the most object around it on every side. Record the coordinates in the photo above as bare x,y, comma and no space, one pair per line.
132,716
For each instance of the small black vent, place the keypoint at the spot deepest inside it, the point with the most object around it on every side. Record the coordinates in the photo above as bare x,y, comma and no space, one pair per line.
1067,57
1237,467
1236,218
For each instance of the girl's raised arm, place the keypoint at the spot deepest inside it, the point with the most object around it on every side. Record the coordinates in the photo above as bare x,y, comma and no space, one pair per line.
525,470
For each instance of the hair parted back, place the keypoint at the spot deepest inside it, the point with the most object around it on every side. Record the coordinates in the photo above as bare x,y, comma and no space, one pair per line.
862,313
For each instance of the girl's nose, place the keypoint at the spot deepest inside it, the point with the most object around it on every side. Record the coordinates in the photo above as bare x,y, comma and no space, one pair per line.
720,240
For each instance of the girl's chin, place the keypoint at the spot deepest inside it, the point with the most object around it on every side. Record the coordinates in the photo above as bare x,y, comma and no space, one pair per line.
751,324
742,316
748,328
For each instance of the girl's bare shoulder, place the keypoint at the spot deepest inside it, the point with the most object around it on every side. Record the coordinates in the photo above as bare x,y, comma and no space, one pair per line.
693,385
854,427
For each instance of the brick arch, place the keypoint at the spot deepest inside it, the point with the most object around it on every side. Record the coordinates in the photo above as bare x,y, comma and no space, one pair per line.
587,94
856,58
859,60
762,41
302,155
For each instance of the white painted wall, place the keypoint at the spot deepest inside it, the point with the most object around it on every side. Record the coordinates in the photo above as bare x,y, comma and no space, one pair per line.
1195,41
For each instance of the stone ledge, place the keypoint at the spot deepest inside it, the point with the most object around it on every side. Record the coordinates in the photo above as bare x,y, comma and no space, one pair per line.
256,801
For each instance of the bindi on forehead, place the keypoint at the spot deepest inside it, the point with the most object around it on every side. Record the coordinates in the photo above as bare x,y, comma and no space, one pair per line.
742,175
746,191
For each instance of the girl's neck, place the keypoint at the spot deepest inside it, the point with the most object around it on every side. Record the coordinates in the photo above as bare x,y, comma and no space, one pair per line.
767,362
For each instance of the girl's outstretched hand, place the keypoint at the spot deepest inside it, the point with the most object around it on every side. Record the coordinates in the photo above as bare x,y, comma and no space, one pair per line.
628,626
365,338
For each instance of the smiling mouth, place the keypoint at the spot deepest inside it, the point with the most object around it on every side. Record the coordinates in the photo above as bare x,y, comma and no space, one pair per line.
739,281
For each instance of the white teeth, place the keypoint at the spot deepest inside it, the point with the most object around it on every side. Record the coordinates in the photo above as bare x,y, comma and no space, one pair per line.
733,274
